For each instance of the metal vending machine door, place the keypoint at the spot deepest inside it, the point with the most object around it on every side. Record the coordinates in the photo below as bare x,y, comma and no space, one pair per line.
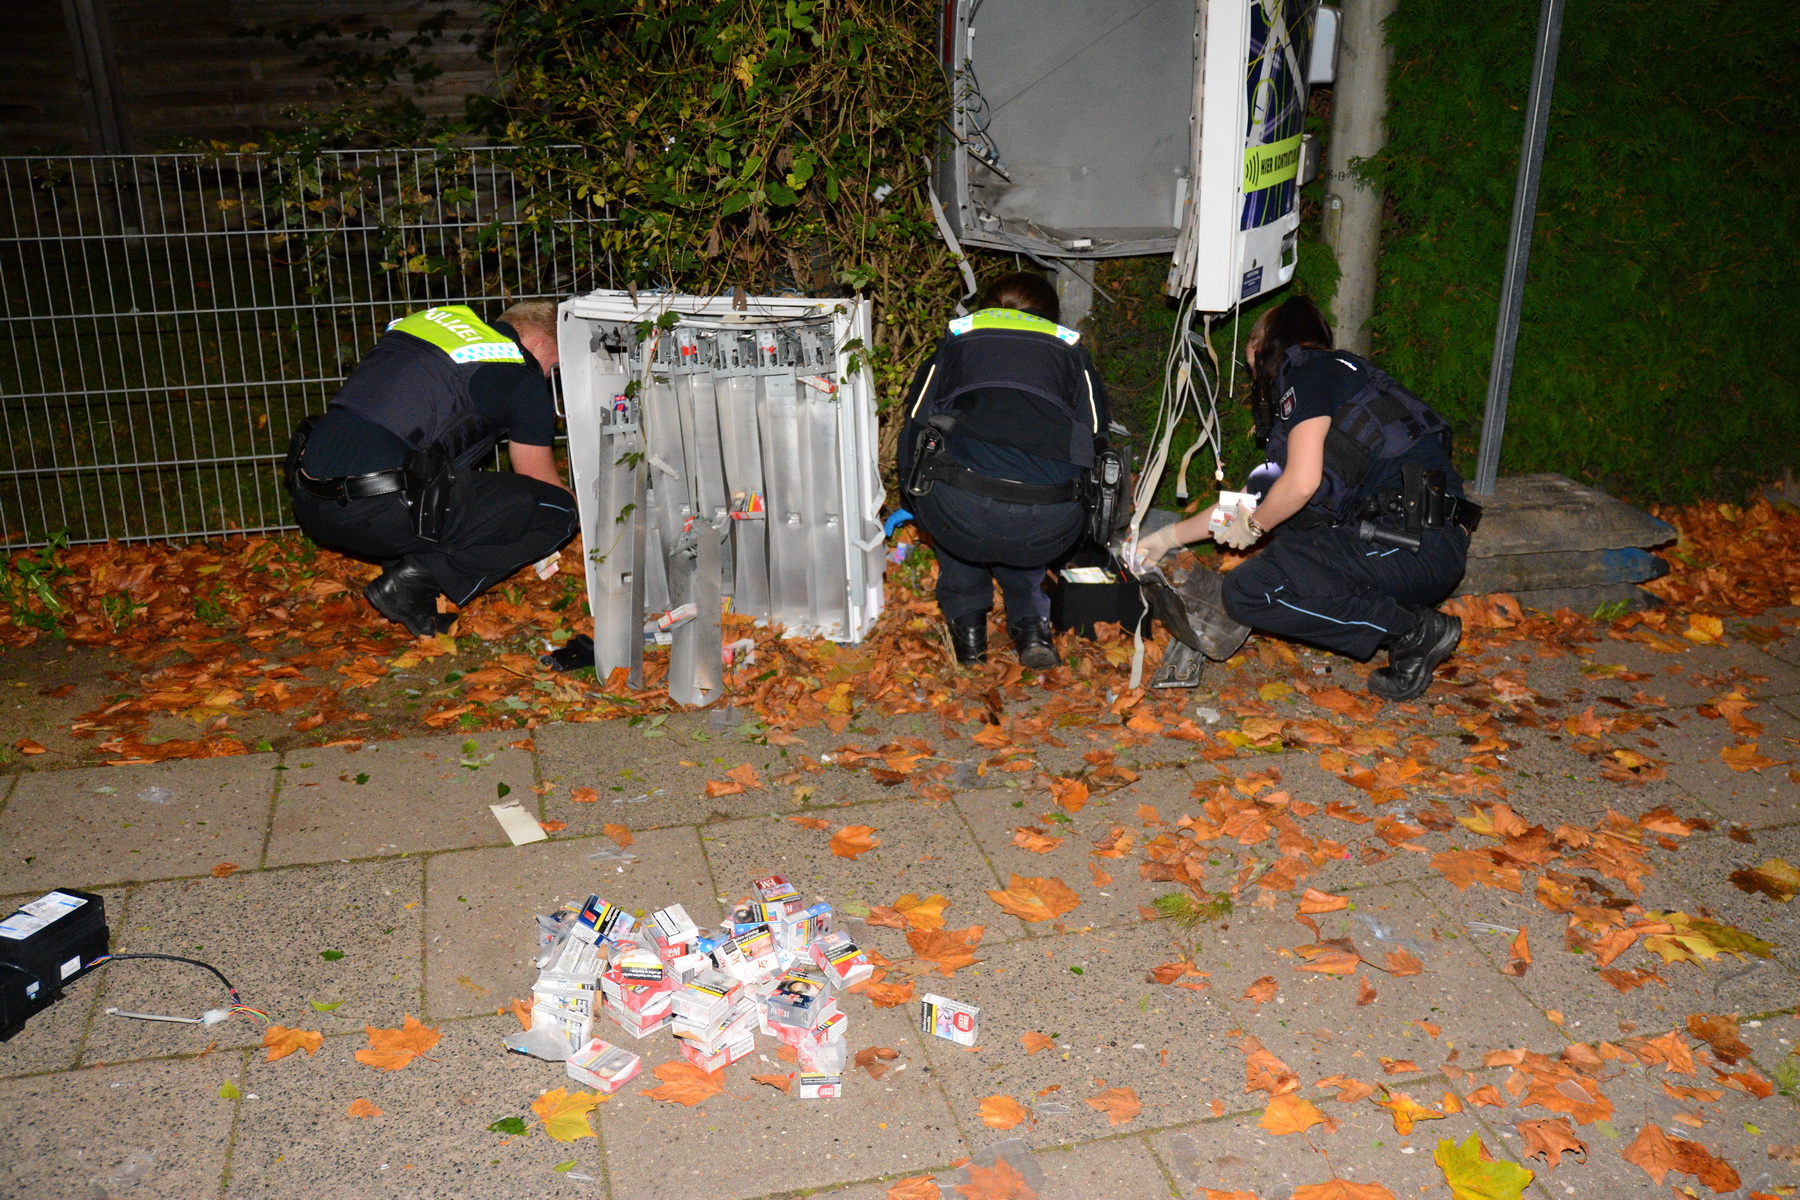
1254,64
724,461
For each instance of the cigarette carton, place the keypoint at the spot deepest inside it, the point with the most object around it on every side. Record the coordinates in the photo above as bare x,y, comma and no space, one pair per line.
639,1024
799,999
842,960
644,998
687,967
739,1047
706,998
773,888
951,1020
603,1066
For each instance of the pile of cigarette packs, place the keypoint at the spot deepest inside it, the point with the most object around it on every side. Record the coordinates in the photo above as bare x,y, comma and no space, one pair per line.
774,966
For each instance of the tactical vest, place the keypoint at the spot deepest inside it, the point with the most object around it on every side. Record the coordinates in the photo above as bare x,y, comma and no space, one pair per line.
1381,422
1005,348
415,382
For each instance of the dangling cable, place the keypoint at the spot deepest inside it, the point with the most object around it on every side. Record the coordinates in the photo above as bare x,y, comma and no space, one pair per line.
210,1017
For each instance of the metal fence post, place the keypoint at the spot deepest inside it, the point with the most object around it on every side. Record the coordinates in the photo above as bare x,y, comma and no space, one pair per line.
1518,245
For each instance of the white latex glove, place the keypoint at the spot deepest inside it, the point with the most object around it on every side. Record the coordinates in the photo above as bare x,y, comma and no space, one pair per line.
1152,547
1232,528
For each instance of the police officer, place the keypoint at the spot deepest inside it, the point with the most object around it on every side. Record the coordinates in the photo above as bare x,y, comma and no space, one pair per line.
1367,523
388,472
1001,423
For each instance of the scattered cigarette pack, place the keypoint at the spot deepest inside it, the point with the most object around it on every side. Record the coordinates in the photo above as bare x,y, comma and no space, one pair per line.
603,1066
949,1019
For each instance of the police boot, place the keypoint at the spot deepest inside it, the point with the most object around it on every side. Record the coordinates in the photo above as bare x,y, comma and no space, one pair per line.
1031,638
407,594
1415,654
968,637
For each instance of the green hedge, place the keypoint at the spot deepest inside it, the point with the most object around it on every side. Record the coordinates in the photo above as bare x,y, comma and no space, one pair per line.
1657,354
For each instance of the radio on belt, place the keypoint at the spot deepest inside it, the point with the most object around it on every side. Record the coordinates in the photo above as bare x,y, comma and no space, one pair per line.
44,946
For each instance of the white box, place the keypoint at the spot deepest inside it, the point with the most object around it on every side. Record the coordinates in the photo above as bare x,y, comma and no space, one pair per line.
949,1019
841,959
603,1066
821,1087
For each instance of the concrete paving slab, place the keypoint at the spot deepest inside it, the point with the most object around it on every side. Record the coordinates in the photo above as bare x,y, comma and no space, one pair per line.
925,848
1314,1023
620,763
1753,798
479,932
117,824
994,818
1235,1153
1121,1168
296,1139
155,1129
1775,1046
1168,1044
752,1140
1698,881
415,795
269,932
1638,1096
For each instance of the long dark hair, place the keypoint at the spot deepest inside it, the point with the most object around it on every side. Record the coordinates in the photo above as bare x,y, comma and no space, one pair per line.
1296,321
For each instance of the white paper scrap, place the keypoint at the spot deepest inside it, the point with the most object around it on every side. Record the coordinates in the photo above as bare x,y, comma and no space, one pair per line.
520,825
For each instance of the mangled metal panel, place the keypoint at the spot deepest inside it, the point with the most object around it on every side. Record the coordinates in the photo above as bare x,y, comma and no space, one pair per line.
723,461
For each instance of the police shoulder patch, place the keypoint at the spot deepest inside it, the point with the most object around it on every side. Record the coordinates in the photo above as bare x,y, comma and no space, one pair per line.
1287,404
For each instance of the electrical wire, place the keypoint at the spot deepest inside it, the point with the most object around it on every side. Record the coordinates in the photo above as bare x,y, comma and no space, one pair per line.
1191,390
237,1006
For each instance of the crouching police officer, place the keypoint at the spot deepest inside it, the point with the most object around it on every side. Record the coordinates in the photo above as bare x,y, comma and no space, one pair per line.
1005,425
388,473
1367,522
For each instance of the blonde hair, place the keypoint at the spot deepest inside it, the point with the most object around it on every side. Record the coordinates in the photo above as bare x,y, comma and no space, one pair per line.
532,316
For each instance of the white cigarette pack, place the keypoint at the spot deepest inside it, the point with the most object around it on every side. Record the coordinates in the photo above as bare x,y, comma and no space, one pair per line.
603,1066
949,1019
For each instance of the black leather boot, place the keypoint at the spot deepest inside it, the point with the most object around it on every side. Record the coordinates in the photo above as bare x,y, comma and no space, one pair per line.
1415,654
407,594
1031,638
968,637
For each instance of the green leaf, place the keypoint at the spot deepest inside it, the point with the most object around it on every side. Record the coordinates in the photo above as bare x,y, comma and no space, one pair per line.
735,204
512,1126
362,777
560,1167
1471,1179
319,1006
331,955
229,1091
502,791
782,196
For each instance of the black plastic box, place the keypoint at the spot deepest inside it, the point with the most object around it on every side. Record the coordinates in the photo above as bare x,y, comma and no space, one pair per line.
45,946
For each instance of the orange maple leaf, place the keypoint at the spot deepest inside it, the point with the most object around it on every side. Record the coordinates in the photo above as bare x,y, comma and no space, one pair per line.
888,995
1406,1111
1262,991
949,949
1034,899
1001,1181
1313,901
811,822
684,1083
521,1011
1034,839
223,869
853,840
362,1108
1288,1113
917,1187
745,775
391,1049
584,795
1002,1112
781,1083
280,1041
1033,1042
1070,794
1341,1189
618,833
1120,1104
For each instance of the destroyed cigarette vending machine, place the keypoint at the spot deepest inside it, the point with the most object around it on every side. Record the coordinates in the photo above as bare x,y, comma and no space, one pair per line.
723,461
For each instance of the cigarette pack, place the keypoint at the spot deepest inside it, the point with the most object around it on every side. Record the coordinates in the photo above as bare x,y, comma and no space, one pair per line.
579,958
599,919
570,996
647,999
673,931
772,889
841,959
800,1035
951,1020
603,1066
741,1046
639,1024
687,967
570,1029
821,1087
800,998
639,965
707,998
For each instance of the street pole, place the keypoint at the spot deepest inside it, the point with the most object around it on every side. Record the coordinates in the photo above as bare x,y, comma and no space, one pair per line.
1353,209
1518,245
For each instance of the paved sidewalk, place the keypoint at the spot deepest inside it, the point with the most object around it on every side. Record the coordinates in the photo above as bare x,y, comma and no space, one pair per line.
376,879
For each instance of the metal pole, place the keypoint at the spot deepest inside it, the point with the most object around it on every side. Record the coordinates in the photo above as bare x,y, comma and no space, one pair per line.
1518,245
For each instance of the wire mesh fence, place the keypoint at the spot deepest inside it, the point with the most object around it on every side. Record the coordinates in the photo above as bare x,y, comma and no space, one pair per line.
169,318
